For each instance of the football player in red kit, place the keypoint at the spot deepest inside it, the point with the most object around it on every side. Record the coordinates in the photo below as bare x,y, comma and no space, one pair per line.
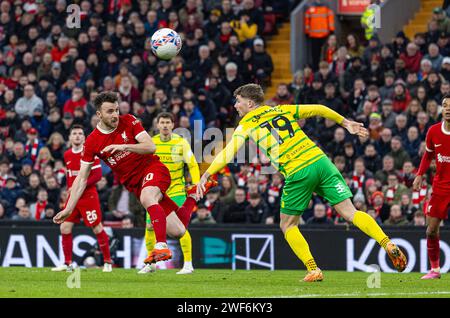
438,148
123,144
88,206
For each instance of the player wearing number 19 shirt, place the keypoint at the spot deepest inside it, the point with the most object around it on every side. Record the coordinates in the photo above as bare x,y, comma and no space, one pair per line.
304,165
123,144
438,148
87,208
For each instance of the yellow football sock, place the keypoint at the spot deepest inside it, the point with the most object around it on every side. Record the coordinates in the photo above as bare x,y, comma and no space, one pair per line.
368,225
300,247
186,246
150,240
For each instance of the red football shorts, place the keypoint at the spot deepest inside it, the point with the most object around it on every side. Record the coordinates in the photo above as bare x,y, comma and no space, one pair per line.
88,209
438,207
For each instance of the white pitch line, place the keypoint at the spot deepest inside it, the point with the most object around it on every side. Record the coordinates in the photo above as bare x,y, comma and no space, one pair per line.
368,294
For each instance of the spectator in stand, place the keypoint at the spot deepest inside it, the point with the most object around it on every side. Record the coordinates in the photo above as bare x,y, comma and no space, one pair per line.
320,215
26,105
387,90
77,100
400,97
395,217
354,48
443,22
387,168
262,63
257,210
434,56
23,214
412,58
329,50
394,190
419,219
372,160
37,209
399,154
381,208
412,142
282,97
203,216
235,212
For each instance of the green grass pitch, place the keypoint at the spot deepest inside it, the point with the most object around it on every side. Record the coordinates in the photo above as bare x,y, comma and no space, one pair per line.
41,282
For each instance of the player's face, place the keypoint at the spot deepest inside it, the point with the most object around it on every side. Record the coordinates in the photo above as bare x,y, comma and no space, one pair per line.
446,109
109,114
77,137
242,105
165,126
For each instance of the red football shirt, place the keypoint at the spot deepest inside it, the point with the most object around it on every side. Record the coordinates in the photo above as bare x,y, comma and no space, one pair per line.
127,165
72,161
438,141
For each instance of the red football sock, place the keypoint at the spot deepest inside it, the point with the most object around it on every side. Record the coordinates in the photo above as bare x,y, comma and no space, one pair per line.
67,243
433,251
158,217
185,211
103,243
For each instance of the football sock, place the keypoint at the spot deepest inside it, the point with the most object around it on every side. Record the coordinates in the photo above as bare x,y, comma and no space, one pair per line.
368,225
300,247
186,246
158,218
103,243
433,251
67,243
150,240
185,211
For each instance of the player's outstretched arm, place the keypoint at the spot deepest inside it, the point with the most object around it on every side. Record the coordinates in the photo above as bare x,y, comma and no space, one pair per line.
353,127
76,192
144,146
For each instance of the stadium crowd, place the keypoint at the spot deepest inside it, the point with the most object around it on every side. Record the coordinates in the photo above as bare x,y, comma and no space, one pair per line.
50,74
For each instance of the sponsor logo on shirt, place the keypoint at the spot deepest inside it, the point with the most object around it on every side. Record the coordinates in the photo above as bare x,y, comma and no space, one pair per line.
443,159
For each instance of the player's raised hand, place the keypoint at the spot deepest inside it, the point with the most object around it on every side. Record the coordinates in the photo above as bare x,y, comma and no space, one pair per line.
355,128
61,216
417,183
201,187
114,148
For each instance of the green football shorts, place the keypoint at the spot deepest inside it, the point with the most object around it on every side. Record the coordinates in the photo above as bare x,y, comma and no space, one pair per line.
178,199
323,178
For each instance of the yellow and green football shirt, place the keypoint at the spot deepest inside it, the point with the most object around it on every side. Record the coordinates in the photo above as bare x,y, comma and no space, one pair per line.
175,153
276,133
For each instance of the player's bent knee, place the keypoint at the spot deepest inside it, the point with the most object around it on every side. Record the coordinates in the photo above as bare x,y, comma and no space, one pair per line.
65,228
150,196
98,228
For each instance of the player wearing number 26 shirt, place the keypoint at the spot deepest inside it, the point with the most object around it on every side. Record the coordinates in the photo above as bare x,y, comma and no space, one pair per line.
304,165
87,207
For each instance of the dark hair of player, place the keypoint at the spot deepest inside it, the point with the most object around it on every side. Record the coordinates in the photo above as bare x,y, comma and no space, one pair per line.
76,126
165,115
253,92
104,97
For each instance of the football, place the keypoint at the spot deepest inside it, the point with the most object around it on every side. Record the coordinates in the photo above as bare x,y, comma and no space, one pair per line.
166,43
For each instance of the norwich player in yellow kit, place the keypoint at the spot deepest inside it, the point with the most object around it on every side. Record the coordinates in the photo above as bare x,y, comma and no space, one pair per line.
174,152
305,167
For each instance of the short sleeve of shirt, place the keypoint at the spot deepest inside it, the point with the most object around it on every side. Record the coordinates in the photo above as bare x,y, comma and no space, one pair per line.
136,126
88,155
429,141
